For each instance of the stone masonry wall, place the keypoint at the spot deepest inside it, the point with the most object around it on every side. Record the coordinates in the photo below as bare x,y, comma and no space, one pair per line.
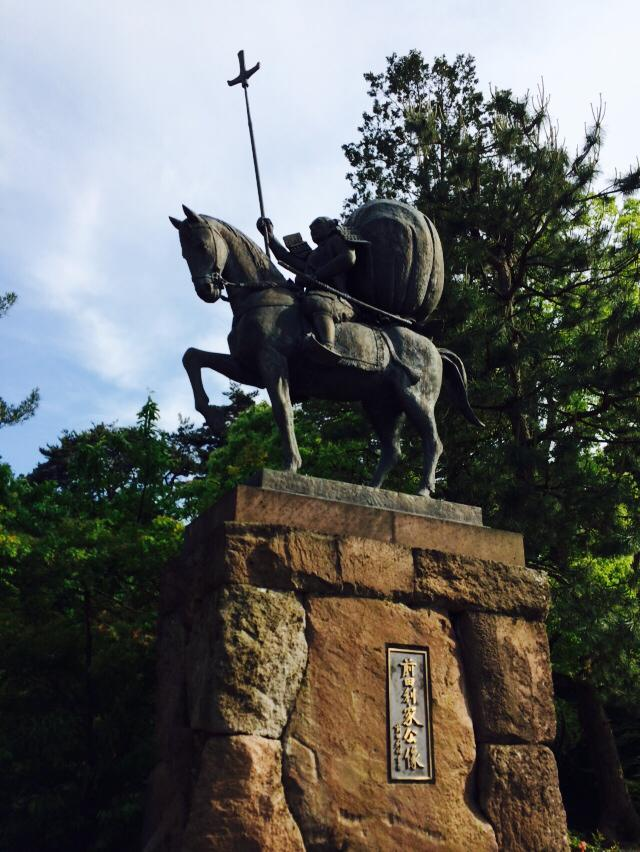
271,700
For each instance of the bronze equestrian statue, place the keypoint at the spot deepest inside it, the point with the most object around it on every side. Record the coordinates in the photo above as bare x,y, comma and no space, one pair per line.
385,265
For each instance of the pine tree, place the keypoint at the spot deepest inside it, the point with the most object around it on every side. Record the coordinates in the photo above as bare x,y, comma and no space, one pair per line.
542,258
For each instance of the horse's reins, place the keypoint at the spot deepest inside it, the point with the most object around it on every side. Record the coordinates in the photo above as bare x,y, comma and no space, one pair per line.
216,277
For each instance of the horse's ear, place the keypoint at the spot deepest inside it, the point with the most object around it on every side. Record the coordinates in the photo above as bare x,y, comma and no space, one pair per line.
175,222
191,216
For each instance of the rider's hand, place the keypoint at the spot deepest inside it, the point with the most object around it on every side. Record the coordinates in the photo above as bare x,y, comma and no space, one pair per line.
265,226
303,280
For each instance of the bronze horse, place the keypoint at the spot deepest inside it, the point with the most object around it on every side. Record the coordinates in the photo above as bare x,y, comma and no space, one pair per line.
266,351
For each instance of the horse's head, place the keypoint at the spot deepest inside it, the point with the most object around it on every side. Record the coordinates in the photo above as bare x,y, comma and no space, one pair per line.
204,250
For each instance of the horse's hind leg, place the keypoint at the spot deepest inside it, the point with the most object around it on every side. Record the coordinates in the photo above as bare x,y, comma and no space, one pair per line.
387,421
420,409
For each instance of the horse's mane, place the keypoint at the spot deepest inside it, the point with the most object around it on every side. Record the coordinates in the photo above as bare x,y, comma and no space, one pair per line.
267,270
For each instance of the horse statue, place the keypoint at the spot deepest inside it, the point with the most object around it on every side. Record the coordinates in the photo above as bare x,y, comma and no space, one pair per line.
392,370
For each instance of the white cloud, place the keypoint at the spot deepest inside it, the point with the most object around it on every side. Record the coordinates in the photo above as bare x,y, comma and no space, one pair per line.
113,113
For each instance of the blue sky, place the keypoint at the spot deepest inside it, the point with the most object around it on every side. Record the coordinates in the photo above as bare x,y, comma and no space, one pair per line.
114,113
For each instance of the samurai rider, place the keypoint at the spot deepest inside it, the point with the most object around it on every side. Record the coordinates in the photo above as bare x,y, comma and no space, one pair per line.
332,262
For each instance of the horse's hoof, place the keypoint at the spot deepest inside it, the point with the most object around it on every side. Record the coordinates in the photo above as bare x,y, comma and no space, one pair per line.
214,416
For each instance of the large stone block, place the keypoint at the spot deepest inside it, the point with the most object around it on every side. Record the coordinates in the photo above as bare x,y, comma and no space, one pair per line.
376,568
336,741
281,558
286,559
274,557
518,791
245,659
235,676
238,802
458,583
333,491
508,672
464,539
269,507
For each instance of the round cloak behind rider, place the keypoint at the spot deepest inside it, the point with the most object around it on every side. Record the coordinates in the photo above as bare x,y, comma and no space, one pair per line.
332,262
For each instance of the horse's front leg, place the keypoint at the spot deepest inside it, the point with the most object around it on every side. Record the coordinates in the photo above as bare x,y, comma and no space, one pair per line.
275,373
194,360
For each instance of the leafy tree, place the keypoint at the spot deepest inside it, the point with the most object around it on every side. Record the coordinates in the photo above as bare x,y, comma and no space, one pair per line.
333,441
82,546
83,541
541,301
12,414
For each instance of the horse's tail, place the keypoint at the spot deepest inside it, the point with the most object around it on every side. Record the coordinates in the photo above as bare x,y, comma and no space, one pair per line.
455,377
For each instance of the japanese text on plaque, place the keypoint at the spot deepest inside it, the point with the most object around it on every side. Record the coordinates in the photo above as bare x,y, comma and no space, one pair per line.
409,722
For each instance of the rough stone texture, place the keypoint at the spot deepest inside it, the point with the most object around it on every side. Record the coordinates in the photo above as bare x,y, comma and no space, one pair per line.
166,806
375,567
519,793
460,583
238,802
363,495
508,675
232,656
280,558
458,539
258,506
336,762
245,659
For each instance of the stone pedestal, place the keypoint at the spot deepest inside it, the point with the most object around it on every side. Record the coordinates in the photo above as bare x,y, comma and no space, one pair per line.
272,716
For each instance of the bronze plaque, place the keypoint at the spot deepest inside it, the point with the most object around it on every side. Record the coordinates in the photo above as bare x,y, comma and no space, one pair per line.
409,729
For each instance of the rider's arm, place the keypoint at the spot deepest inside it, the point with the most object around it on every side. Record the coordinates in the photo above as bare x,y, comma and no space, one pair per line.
280,251
283,253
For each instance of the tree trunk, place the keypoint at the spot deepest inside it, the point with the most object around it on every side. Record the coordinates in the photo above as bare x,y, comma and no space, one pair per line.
618,820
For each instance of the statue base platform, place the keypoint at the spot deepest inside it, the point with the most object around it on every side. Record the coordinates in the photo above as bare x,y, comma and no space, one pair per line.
277,690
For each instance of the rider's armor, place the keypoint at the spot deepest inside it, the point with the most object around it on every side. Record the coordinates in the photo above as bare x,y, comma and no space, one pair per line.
332,262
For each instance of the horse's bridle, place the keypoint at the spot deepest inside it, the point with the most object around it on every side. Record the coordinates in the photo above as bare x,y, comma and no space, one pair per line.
213,279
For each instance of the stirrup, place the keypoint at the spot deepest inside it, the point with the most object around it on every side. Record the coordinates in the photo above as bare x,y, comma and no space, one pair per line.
319,352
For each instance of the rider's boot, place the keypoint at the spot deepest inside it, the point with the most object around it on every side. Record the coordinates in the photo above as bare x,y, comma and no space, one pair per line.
321,347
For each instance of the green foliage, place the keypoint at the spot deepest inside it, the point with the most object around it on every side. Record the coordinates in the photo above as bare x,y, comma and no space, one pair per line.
334,442
596,843
83,541
595,624
251,443
12,414
541,302
82,545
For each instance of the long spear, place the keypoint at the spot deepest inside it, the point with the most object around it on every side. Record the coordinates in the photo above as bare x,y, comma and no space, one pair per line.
243,78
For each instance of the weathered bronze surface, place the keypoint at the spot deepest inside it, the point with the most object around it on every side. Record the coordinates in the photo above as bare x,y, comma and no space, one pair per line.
297,342
409,728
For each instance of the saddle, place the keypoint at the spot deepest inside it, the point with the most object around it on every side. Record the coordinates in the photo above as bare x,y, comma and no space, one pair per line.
361,346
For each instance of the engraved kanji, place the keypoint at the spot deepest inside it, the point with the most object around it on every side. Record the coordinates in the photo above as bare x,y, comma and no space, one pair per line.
407,667
409,695
409,716
410,736
412,758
